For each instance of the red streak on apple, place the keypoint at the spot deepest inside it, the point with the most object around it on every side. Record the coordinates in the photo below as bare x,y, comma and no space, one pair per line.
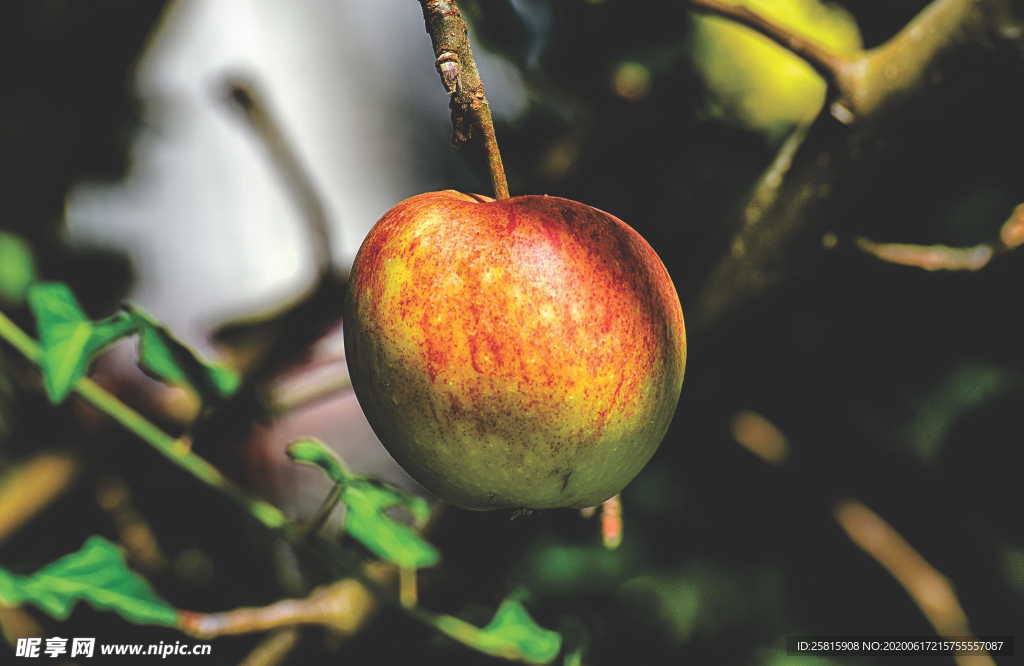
526,352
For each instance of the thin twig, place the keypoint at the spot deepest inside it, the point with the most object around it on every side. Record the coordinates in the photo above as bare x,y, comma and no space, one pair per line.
930,257
134,533
931,591
471,113
288,398
408,591
245,97
33,485
344,606
17,622
290,332
943,257
766,190
760,436
172,449
324,512
274,648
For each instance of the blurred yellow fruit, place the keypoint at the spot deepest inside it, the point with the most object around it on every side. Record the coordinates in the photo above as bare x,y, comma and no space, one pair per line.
631,81
759,84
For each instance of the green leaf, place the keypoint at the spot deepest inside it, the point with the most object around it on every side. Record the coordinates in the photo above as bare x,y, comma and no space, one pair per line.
167,359
96,574
17,268
512,634
366,502
366,521
69,340
311,451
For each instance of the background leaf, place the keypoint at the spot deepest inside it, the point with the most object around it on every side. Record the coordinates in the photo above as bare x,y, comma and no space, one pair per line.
512,634
167,359
366,502
69,340
97,574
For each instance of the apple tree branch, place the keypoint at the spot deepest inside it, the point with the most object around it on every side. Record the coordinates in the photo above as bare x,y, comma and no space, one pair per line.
285,336
866,81
779,228
945,258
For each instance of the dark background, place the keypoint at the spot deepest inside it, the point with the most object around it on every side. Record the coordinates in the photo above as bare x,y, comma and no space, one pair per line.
895,386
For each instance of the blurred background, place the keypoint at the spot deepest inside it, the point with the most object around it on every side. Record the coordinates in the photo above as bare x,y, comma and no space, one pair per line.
856,385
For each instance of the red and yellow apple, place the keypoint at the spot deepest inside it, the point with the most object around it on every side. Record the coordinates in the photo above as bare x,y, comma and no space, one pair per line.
519,353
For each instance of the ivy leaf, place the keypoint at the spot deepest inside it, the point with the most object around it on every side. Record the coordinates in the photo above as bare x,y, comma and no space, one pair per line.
17,268
366,502
167,359
366,521
512,634
96,574
69,340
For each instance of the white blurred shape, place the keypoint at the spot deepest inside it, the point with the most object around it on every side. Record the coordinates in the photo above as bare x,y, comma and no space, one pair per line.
203,215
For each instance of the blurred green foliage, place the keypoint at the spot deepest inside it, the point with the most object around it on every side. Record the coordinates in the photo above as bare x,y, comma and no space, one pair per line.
511,634
367,503
168,359
964,388
759,84
69,340
97,574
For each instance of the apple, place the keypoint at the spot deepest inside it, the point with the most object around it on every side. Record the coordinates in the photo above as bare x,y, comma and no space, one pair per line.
757,83
519,353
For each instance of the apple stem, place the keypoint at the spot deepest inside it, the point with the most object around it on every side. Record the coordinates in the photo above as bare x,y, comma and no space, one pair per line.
498,181
471,113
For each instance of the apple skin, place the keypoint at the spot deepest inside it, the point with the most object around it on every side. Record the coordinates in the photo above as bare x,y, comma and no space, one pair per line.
519,353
